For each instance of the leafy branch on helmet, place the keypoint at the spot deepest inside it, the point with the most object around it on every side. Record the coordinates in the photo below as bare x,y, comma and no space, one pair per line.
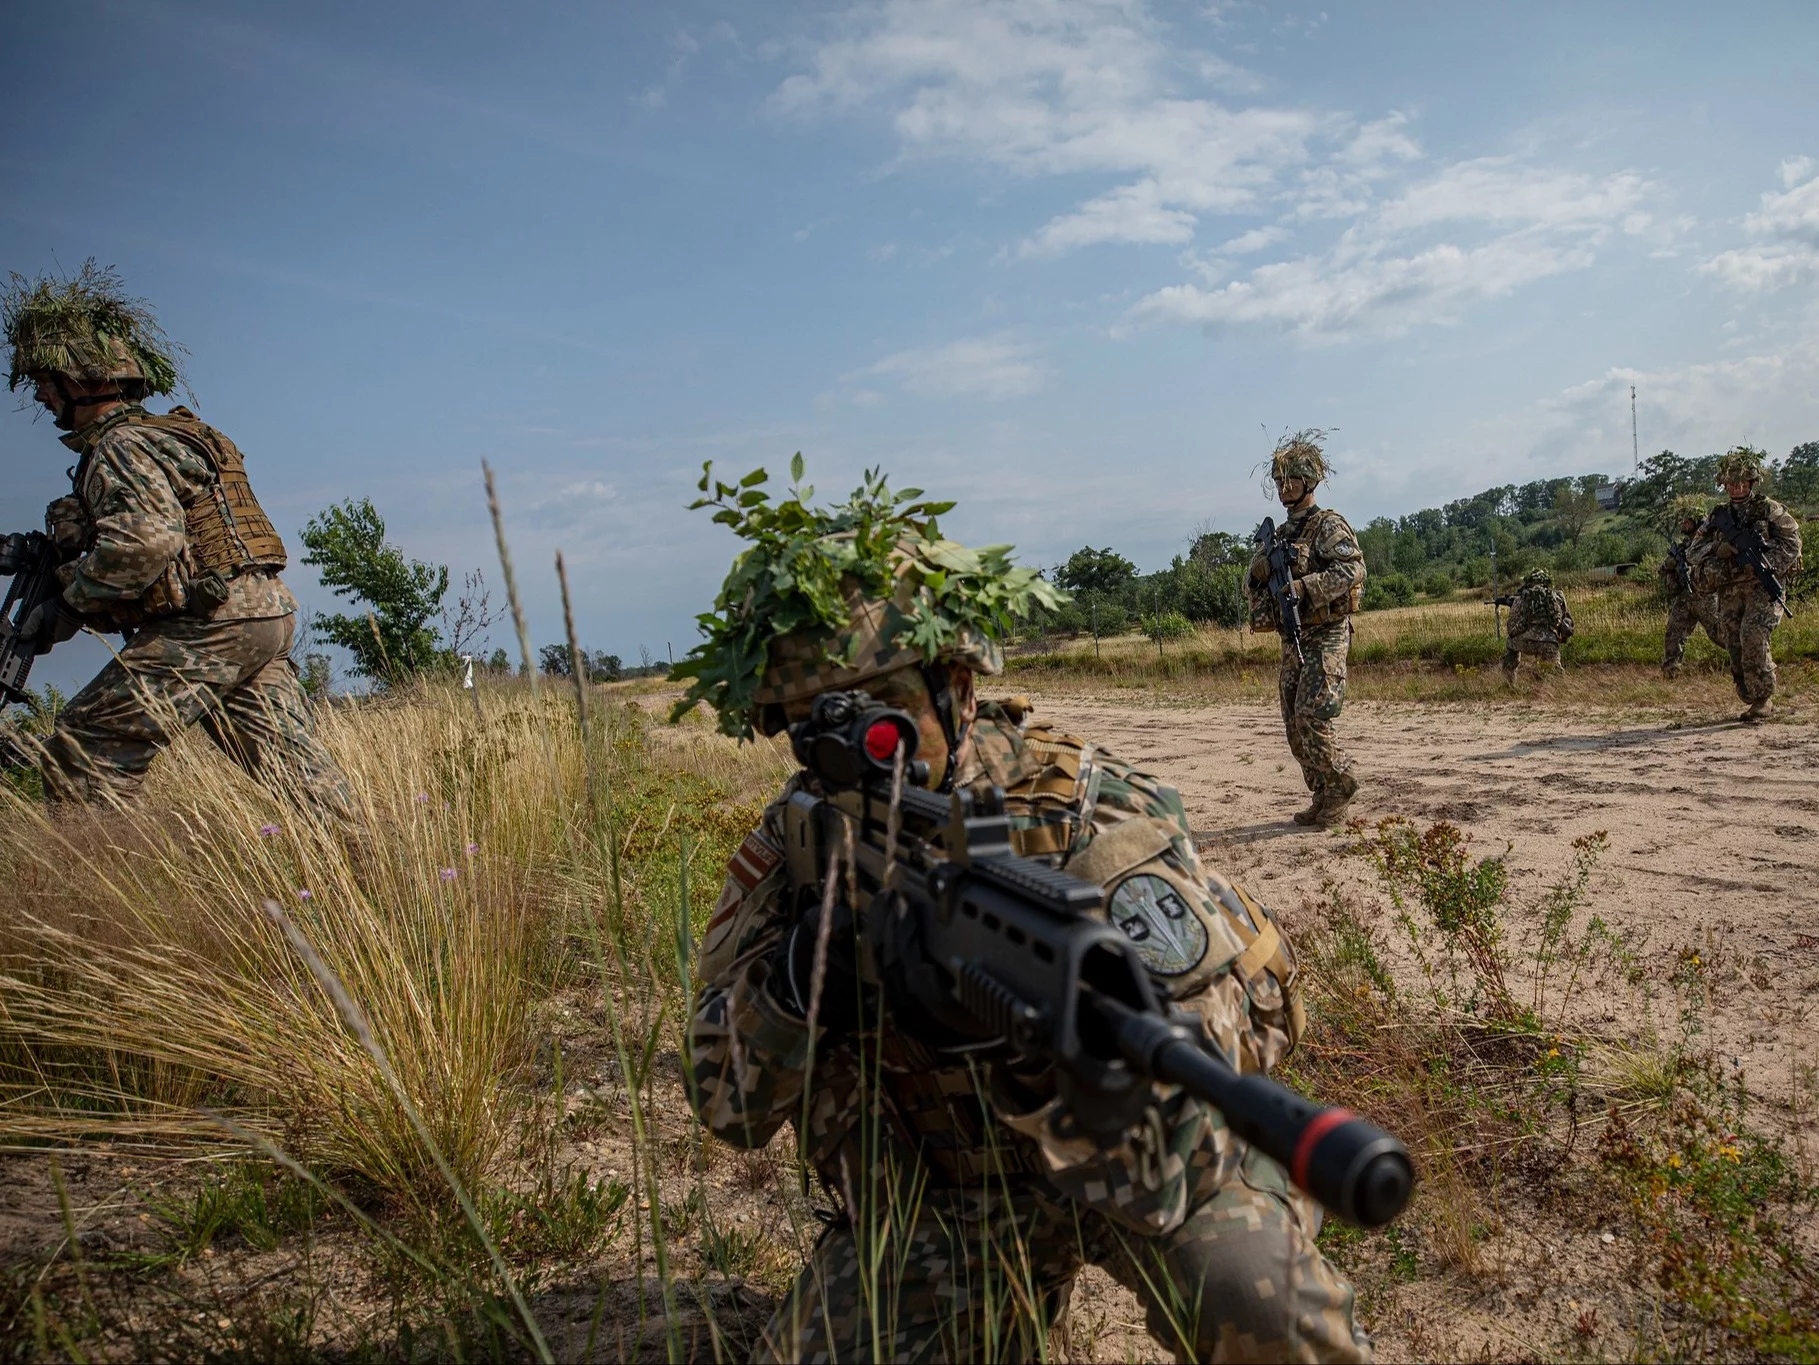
80,325
804,563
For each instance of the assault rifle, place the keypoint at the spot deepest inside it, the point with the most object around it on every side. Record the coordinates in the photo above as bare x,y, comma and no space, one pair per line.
1682,570
31,558
1746,540
976,950
1281,582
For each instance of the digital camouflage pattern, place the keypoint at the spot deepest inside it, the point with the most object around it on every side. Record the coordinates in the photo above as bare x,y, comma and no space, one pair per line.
235,677
1540,622
1329,583
1747,613
226,665
962,1156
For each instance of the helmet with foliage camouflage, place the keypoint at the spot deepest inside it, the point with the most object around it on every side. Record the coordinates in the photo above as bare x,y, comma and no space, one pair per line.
1537,578
1684,508
88,329
828,598
1741,464
1300,456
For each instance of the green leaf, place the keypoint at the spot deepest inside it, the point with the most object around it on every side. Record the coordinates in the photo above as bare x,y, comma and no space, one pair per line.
796,466
756,477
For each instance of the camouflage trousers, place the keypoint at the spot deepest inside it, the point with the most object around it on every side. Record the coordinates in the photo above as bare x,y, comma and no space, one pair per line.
1685,614
983,1275
1545,653
235,677
1312,692
1747,617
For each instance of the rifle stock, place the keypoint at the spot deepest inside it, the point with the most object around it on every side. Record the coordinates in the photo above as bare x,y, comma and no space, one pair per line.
975,949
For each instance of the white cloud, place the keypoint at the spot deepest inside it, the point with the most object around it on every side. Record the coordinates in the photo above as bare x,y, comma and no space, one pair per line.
1785,232
1104,88
1383,276
973,367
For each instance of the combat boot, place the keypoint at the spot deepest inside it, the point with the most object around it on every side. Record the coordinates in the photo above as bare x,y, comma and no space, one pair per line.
1759,711
1334,797
1671,671
1311,815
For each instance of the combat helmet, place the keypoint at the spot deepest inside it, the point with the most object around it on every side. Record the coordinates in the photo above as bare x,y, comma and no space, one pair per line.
1685,507
1300,455
1741,464
86,328
829,598
1537,578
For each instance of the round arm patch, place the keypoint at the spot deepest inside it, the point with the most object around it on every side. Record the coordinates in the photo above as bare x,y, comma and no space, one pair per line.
1171,939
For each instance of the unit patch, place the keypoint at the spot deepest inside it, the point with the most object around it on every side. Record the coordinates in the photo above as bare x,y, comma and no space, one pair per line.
1169,936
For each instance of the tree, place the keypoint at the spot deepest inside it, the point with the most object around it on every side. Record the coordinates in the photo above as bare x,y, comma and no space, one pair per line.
1216,548
1090,570
391,639
500,662
604,667
1798,479
1574,510
554,660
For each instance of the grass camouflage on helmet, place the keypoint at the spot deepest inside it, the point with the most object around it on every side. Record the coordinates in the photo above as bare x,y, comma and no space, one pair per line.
816,585
1538,576
1300,455
84,326
1685,507
1742,464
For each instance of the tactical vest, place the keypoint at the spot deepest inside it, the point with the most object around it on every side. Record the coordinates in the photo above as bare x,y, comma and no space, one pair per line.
229,532
1303,541
1540,609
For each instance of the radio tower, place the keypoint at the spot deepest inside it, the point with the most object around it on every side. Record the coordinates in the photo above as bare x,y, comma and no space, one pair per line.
1635,448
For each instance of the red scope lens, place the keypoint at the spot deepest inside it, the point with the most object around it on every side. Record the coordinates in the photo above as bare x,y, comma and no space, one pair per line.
881,740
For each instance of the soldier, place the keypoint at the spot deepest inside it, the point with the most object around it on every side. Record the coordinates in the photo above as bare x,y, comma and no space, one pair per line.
167,545
1687,609
966,1208
1748,608
1539,624
1329,587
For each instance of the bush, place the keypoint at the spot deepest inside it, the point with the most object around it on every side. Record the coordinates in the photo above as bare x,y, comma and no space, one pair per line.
1437,583
1214,594
1388,590
1170,625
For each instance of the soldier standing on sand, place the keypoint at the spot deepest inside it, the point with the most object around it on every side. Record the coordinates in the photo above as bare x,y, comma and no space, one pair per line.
1687,610
1539,624
165,543
1329,587
1747,610
954,1172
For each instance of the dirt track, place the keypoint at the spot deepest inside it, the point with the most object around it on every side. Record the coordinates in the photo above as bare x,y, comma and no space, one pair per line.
1714,830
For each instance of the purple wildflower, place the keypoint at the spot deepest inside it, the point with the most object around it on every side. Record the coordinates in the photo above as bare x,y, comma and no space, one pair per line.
472,849
422,798
304,894
266,831
448,874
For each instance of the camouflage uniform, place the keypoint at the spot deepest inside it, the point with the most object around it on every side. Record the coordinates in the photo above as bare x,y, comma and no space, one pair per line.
1329,568
1539,624
1687,609
206,645
1747,614
963,1179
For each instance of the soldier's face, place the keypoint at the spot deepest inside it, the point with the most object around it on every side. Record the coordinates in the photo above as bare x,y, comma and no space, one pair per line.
1290,491
908,692
1737,489
44,389
1688,526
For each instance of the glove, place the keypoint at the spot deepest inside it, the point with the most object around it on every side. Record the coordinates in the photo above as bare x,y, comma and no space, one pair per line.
50,624
793,970
66,522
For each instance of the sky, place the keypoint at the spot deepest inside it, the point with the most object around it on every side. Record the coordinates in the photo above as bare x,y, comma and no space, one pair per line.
1074,263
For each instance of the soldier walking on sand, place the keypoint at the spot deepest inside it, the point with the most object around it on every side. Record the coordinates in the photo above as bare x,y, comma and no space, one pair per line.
1539,624
968,1198
1687,610
1744,555
1328,588
166,544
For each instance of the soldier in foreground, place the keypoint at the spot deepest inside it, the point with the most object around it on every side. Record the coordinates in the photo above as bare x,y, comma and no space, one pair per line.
1539,624
1743,555
1327,585
1687,609
167,545
968,1199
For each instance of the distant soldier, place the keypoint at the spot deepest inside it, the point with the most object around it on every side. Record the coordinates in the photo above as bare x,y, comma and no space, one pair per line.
1687,609
1328,588
167,545
1539,624
1744,554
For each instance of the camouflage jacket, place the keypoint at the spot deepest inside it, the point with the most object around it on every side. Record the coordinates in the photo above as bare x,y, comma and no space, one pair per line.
1539,616
134,483
1212,948
1781,551
1675,572
1329,567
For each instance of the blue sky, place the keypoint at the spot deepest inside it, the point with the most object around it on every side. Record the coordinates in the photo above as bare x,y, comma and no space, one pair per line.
1063,260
